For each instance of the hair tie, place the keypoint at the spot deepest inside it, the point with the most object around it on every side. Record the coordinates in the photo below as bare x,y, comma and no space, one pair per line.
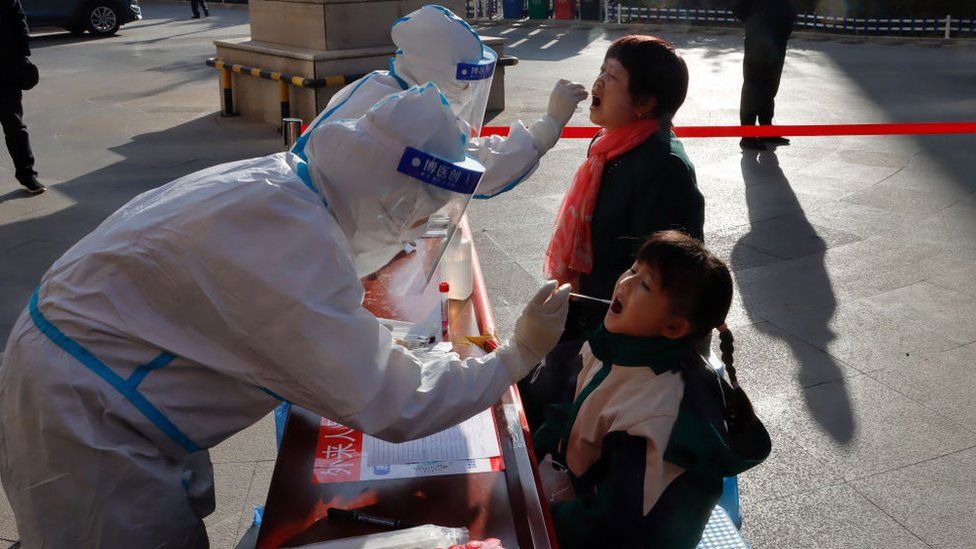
723,327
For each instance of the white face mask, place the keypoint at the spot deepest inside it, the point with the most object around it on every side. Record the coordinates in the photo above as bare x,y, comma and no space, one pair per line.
376,241
368,262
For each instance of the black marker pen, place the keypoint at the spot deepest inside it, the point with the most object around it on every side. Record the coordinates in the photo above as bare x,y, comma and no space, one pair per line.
356,516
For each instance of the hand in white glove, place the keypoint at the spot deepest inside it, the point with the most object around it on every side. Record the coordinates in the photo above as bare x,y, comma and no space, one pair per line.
543,320
537,330
563,101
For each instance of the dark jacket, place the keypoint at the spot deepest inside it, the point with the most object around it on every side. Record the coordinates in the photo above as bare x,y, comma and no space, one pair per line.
774,16
648,189
607,509
14,40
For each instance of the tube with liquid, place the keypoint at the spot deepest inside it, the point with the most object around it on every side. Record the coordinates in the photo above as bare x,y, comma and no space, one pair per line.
444,289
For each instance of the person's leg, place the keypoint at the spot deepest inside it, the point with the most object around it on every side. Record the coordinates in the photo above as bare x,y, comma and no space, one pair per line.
748,99
18,142
771,88
195,7
552,382
751,85
771,84
203,4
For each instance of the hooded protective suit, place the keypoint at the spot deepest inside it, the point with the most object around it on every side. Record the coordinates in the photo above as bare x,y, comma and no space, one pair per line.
189,313
434,45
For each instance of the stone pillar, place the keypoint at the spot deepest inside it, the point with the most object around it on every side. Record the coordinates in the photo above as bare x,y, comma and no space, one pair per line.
317,39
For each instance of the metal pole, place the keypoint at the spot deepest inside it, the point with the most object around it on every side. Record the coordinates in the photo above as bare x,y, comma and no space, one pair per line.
948,26
225,84
291,128
283,99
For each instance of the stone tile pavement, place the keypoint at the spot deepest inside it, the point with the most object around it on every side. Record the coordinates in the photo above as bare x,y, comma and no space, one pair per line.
854,258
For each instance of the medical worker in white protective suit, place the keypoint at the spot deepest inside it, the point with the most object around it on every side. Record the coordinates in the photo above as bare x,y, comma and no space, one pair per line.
187,314
434,45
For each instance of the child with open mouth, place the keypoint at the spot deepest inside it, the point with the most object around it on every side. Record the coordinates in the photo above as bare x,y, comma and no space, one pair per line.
643,449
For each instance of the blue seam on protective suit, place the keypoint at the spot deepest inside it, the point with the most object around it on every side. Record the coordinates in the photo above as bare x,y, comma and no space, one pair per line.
302,172
392,71
510,186
141,372
454,18
451,15
465,24
273,394
100,369
299,147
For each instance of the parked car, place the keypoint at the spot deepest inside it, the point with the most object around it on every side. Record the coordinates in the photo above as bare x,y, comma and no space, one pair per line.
99,17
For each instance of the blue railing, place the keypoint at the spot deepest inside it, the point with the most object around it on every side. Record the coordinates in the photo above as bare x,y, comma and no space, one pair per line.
949,26
872,26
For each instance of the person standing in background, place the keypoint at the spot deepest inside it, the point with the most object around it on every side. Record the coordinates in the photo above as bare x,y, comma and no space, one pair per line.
769,24
14,51
195,5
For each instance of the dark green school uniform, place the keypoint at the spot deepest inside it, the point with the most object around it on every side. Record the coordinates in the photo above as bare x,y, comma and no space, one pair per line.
645,443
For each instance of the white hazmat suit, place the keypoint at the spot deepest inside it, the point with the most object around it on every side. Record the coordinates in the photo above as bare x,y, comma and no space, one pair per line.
434,45
189,313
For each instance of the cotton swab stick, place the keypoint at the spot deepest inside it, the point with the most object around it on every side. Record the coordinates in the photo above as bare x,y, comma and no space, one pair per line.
582,297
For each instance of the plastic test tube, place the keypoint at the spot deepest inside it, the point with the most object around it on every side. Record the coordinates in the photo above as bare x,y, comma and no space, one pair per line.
444,288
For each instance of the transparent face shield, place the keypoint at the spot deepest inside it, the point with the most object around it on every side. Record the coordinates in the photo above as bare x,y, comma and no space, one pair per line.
474,83
466,85
428,216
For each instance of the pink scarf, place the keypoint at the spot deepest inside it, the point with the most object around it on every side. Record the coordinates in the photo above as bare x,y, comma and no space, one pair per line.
571,248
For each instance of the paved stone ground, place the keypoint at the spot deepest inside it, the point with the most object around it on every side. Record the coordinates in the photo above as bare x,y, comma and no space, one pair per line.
854,258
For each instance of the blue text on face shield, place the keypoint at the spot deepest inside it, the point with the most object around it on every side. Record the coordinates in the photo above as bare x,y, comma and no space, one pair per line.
460,177
475,71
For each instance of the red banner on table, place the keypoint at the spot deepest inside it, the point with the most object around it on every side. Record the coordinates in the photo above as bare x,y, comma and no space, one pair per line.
338,453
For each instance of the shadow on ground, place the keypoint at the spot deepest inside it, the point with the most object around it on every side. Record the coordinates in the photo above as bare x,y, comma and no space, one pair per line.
765,182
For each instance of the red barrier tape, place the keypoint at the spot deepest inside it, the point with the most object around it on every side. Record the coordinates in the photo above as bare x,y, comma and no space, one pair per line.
918,128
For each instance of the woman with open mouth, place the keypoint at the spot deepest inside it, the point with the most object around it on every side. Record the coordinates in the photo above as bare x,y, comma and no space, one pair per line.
635,180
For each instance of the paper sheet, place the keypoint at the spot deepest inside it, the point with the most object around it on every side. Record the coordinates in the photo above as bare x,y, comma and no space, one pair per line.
472,439
346,455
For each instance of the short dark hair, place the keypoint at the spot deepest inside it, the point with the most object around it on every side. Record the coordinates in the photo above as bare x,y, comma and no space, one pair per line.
698,284
655,69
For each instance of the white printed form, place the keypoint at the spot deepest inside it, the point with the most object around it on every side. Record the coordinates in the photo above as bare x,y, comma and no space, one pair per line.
472,439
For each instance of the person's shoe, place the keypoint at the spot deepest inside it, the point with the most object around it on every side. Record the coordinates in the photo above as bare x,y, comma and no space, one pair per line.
195,16
752,143
775,141
33,186
206,13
